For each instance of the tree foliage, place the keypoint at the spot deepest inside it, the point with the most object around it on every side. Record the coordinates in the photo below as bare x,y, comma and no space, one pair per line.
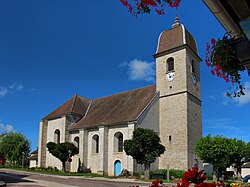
247,152
145,147
62,151
221,152
14,146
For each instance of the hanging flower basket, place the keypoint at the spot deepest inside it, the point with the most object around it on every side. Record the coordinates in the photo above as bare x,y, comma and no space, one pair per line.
221,57
136,7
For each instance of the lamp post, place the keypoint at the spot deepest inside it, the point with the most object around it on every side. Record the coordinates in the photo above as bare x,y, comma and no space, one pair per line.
69,159
69,151
23,159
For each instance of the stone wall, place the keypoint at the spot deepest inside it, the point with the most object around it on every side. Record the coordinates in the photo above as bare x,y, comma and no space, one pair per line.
53,125
42,143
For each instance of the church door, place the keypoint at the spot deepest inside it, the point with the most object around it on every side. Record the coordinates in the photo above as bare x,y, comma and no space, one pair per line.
117,167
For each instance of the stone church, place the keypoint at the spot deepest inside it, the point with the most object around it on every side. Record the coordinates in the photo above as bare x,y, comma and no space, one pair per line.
99,127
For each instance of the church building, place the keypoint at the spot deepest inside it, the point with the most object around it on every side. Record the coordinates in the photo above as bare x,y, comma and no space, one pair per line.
98,127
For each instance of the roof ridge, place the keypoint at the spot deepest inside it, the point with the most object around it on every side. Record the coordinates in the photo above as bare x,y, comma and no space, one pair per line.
75,96
87,109
123,92
81,102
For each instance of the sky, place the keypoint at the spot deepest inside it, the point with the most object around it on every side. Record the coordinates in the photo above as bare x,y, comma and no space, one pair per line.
51,50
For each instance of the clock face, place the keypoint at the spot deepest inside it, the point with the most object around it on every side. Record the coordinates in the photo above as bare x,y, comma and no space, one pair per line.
193,79
170,76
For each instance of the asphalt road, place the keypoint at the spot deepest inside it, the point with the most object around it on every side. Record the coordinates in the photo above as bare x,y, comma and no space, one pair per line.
14,178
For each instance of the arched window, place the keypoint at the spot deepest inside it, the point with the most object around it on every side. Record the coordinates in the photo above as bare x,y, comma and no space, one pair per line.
170,64
76,141
118,142
193,67
57,136
95,144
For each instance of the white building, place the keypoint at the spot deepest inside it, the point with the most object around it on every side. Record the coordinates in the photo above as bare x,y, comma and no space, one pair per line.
99,127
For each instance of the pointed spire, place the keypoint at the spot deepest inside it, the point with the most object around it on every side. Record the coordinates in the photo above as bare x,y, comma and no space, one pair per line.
176,23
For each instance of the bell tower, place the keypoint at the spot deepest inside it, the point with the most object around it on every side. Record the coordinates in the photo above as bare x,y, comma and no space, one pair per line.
178,84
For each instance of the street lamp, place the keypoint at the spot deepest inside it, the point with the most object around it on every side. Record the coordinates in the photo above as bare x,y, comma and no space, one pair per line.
69,159
23,159
69,151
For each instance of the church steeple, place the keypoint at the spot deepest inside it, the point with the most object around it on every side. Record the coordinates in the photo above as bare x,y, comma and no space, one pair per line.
176,23
178,83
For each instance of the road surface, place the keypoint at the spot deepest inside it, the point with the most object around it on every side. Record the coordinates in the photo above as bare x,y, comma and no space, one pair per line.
16,178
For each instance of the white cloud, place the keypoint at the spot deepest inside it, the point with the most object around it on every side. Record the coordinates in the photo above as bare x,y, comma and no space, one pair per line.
222,124
6,128
3,91
16,87
140,70
226,127
10,89
19,87
244,99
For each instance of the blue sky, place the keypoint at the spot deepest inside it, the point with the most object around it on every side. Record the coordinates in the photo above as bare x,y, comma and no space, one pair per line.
51,50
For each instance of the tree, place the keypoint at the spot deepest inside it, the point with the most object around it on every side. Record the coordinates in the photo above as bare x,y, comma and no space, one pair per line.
144,147
62,151
220,151
238,155
247,155
15,147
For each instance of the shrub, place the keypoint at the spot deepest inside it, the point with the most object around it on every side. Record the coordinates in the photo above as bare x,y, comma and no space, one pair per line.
56,169
176,173
136,175
209,176
41,168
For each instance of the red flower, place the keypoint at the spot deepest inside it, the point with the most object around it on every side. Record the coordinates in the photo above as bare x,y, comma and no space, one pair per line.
208,63
160,12
213,41
174,4
207,47
126,4
149,2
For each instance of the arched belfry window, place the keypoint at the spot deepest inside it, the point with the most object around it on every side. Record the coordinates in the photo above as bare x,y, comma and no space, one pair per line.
76,141
170,64
57,136
118,142
95,144
193,67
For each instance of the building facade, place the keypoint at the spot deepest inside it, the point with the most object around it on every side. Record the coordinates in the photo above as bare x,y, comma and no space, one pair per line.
99,127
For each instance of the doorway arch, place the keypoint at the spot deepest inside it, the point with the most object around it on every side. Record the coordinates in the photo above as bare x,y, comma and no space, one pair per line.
118,167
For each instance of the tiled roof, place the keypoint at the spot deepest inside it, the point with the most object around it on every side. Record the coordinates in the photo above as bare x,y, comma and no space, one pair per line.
34,157
118,108
246,165
175,37
34,152
76,105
